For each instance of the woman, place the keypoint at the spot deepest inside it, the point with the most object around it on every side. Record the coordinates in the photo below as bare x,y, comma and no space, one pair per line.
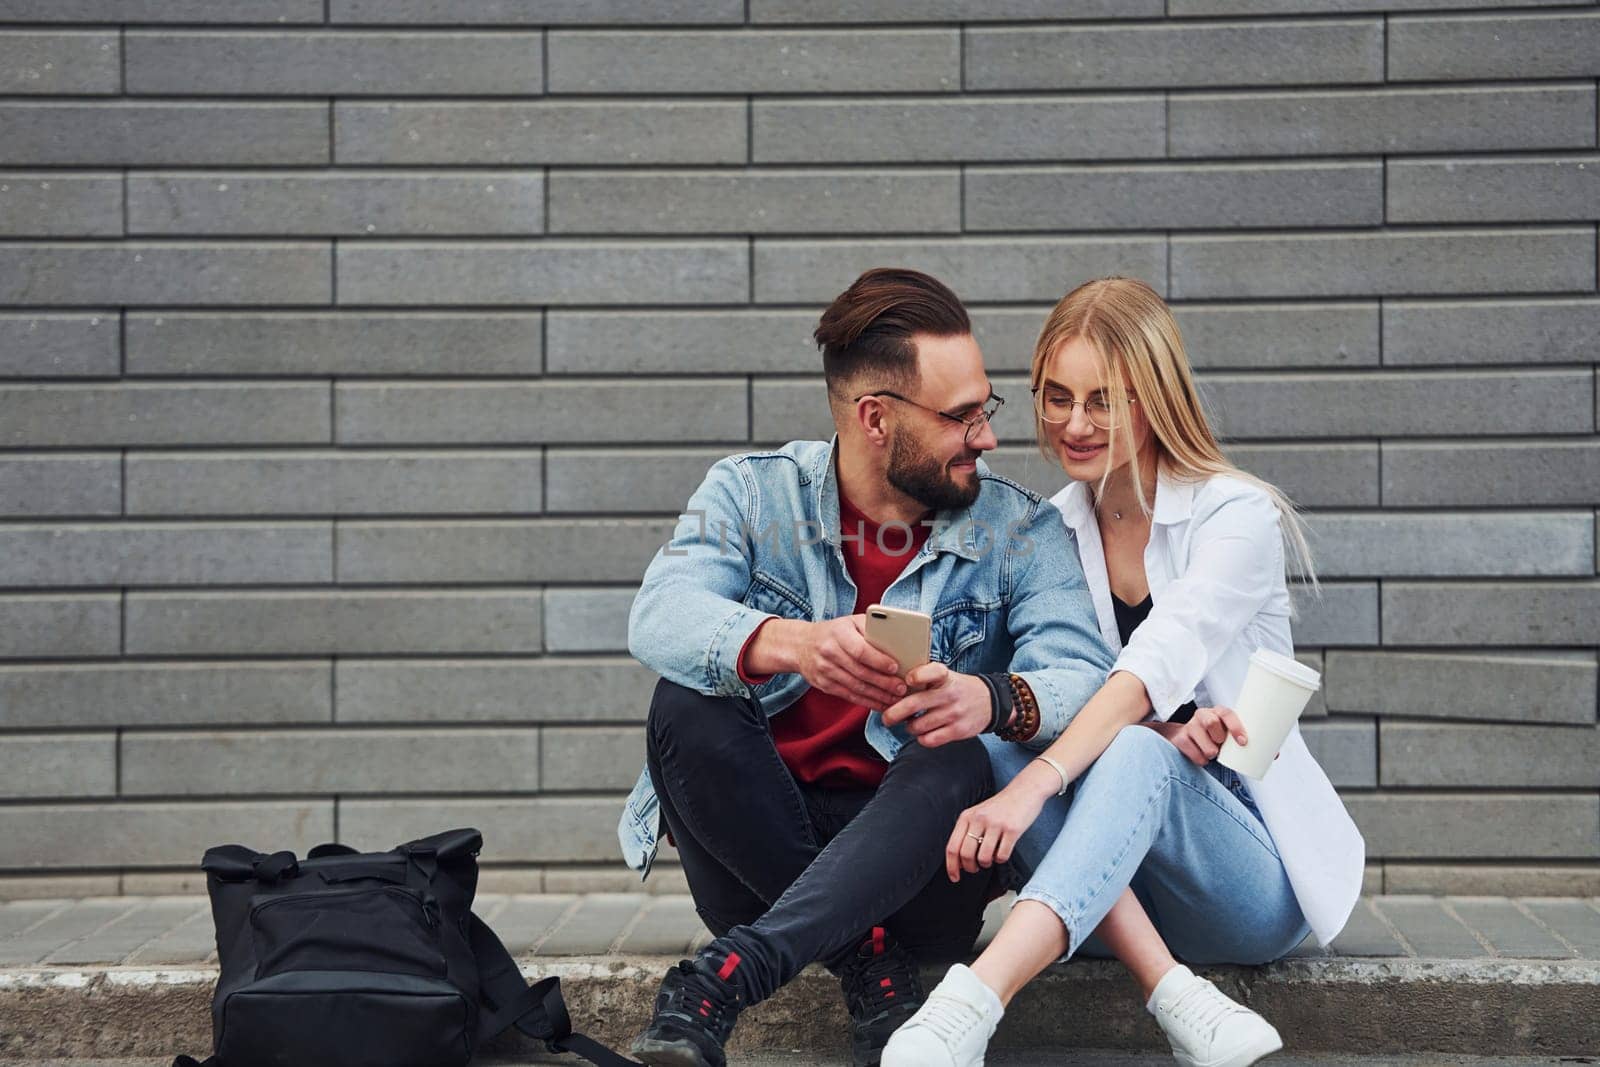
1157,851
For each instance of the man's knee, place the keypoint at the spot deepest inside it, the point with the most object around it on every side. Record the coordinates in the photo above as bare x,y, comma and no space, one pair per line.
676,707
684,715
955,775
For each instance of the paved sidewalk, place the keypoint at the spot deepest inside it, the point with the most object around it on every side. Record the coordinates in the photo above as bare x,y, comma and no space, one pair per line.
129,977
151,931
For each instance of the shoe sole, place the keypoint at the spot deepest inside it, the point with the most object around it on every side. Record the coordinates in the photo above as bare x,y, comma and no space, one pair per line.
1243,1057
659,1053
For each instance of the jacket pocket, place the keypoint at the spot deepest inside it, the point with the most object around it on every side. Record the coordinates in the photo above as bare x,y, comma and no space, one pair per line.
956,633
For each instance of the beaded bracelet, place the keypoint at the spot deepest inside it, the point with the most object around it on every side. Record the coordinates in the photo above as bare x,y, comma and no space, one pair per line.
1026,723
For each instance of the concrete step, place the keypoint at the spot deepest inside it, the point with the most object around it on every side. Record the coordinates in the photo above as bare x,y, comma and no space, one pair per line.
1004,1058
128,977
1043,1057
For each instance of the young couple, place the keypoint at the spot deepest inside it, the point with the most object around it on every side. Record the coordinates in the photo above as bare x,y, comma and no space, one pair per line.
1085,651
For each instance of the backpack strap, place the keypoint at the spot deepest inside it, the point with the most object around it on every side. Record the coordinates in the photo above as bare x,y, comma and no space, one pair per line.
537,1010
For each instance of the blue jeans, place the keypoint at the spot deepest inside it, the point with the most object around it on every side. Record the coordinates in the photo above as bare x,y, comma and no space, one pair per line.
1187,839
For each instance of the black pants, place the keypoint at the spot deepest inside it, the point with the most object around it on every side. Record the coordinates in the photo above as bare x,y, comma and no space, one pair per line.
786,874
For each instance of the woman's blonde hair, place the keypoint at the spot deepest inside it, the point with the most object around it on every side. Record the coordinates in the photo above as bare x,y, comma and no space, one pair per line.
1133,333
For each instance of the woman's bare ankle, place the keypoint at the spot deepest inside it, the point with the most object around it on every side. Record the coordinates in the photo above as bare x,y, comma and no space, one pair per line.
1149,974
998,977
1032,938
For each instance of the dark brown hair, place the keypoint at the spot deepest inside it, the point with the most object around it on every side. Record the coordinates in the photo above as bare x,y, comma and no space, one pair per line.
865,335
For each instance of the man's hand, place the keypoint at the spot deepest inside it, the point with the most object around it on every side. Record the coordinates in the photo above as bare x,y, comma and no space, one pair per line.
835,657
954,706
1200,739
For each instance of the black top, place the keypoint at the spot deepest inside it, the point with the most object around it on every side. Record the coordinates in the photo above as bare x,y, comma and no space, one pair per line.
1129,616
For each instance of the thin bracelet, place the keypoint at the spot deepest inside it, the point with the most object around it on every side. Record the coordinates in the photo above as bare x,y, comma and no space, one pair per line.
1059,770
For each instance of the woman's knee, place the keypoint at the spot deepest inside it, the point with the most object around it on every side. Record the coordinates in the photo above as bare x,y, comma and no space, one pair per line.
1137,764
1136,755
1137,748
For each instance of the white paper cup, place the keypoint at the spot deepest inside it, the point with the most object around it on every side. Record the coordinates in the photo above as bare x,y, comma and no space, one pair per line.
1276,690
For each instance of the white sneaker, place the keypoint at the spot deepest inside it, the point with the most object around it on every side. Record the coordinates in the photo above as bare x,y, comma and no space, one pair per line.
1205,1027
951,1029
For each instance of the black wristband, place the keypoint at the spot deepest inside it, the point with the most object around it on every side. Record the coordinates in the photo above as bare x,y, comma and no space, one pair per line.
999,700
994,703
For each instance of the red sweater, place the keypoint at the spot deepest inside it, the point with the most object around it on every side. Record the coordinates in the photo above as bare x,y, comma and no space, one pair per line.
821,738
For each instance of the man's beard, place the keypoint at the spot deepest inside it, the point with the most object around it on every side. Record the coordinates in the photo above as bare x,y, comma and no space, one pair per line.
926,478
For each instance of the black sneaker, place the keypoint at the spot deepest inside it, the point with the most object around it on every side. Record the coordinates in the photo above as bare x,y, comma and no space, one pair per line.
695,1012
882,989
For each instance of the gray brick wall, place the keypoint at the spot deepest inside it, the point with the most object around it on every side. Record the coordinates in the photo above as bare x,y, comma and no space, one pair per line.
355,355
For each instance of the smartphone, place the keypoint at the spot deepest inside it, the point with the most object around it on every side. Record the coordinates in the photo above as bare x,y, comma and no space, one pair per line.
905,635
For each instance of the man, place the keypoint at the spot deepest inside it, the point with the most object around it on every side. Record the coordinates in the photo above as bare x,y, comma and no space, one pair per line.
819,835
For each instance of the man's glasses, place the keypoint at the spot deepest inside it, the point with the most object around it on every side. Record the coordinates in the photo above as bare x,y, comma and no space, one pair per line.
973,423
1055,407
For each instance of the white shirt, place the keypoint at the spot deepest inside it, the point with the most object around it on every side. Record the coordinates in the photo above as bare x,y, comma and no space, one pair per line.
1215,565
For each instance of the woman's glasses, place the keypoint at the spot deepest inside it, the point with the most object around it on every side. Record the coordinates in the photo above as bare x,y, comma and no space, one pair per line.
1054,406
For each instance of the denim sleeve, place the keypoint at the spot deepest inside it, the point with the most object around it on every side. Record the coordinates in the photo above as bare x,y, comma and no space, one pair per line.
687,622
1058,648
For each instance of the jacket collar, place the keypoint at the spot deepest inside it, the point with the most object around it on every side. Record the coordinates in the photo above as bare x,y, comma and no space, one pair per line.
954,529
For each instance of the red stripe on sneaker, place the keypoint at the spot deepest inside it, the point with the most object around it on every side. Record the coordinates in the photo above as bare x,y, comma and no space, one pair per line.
877,941
886,983
729,965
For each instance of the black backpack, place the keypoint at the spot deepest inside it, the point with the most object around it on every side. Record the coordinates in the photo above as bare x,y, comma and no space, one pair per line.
348,959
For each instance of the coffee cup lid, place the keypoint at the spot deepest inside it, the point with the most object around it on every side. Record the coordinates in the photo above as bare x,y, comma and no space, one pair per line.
1287,667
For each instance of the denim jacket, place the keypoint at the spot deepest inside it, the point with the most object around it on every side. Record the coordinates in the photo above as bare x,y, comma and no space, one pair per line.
760,539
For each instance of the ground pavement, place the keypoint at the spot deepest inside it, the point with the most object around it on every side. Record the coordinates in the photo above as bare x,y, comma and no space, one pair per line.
1412,980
